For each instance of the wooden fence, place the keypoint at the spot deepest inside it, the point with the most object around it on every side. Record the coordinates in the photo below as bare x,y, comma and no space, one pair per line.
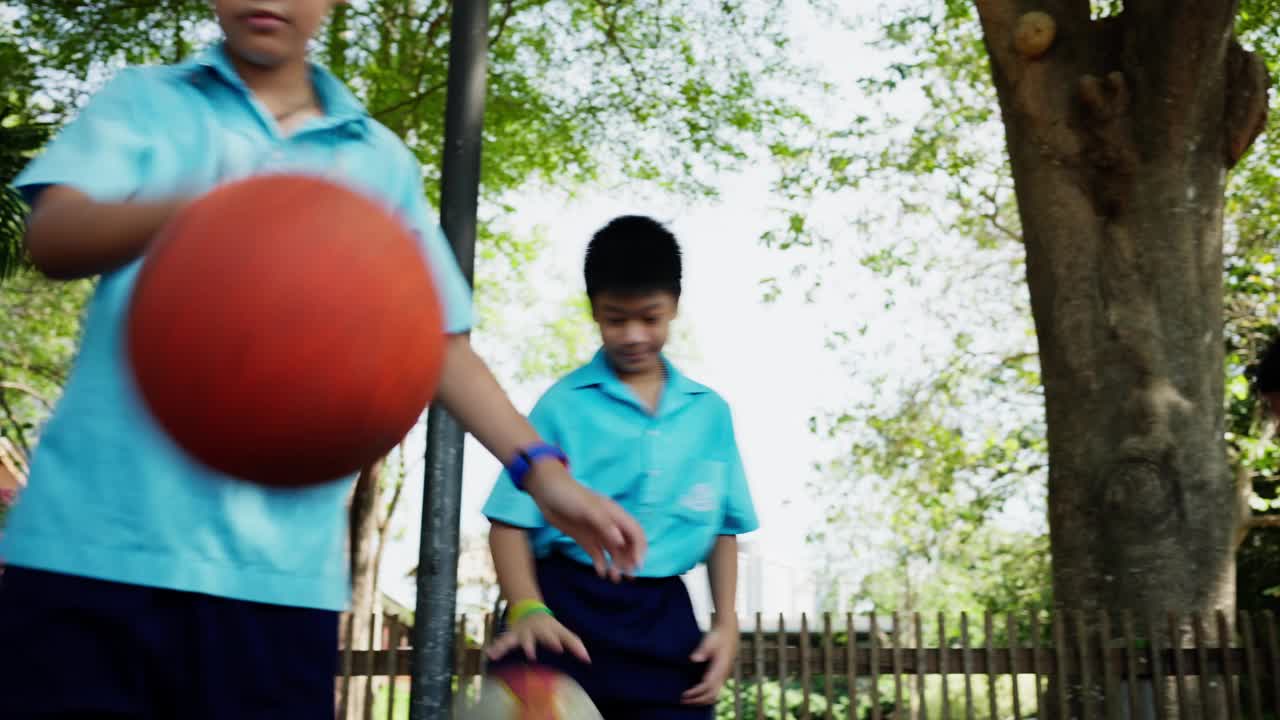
1019,667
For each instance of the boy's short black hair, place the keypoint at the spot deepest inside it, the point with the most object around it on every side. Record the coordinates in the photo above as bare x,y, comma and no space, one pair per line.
1266,373
631,255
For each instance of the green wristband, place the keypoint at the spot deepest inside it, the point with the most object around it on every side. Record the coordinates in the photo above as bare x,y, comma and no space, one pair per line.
526,608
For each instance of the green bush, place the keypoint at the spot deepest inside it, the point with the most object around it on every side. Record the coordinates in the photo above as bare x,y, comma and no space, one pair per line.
788,703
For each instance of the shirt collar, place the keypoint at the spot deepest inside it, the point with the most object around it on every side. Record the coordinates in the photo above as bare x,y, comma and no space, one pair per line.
340,106
599,373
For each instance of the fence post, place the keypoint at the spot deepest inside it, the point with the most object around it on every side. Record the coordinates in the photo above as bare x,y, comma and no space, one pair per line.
896,639
851,657
1011,642
877,712
989,630
1228,668
757,647
1251,664
1128,680
944,652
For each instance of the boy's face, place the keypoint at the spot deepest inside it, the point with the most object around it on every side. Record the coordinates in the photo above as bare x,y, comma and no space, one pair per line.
268,33
634,328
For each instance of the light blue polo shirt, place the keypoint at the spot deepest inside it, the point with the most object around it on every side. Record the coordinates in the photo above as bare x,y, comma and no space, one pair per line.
676,470
110,496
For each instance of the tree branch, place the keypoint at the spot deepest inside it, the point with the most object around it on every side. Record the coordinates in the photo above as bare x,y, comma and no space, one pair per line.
611,37
28,391
433,27
993,217
413,100
508,11
425,32
384,522
1248,91
1262,521
18,436
13,460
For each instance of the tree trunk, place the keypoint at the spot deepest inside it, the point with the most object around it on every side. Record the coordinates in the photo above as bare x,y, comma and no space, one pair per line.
1120,132
363,528
385,515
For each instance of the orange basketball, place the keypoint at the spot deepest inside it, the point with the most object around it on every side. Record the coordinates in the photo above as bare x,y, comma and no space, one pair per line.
286,330
528,692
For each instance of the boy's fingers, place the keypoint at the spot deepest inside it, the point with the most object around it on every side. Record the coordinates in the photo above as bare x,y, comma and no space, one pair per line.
597,557
628,538
550,639
599,548
705,651
530,647
700,694
611,535
576,647
707,691
501,646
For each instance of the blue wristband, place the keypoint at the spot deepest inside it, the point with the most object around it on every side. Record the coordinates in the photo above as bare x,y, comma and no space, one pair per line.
520,466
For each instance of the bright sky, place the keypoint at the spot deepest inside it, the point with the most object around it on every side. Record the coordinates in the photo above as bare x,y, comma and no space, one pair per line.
767,359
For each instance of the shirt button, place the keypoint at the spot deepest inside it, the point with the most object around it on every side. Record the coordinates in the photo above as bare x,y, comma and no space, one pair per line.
654,433
654,473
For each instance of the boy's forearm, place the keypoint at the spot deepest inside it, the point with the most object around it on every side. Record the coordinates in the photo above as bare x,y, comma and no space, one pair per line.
513,563
722,570
472,395
72,236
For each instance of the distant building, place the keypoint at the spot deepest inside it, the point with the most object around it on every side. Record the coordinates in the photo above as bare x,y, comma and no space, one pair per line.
477,582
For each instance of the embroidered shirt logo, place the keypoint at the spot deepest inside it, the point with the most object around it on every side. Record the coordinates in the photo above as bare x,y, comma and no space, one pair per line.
700,498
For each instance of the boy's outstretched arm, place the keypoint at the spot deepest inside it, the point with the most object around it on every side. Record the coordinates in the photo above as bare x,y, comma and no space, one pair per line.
513,564
599,525
719,648
71,236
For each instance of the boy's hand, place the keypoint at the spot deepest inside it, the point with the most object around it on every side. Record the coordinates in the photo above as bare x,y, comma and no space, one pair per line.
470,393
537,630
719,648
69,235
599,525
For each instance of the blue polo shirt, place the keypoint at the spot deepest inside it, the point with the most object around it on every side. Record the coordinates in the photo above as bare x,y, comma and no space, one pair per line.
110,497
676,470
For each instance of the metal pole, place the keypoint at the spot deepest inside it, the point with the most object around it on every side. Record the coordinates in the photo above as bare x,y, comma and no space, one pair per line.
433,629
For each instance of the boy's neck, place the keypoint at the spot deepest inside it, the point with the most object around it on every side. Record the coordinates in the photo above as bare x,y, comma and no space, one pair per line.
647,385
284,89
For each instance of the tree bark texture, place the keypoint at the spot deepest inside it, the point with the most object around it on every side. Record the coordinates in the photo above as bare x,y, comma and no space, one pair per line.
1120,132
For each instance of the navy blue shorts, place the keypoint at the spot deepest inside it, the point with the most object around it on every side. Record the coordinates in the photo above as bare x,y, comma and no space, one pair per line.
74,648
639,634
